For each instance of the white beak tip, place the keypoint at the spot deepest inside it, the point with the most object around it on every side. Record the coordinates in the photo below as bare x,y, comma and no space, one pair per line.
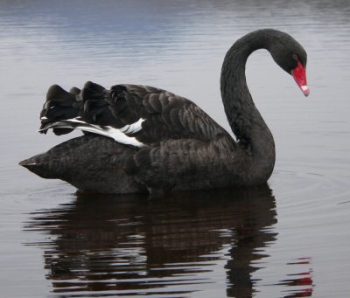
305,90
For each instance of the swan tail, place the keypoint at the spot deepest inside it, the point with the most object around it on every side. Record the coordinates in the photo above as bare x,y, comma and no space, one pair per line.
60,105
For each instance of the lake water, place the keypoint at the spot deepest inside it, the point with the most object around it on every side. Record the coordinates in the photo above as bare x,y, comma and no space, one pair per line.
290,239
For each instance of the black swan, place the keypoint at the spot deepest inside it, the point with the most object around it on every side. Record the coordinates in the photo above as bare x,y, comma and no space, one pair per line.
139,138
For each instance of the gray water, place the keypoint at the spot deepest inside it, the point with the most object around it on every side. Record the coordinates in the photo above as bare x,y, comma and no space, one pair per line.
290,239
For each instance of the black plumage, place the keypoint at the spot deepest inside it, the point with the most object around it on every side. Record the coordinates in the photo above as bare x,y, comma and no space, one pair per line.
163,141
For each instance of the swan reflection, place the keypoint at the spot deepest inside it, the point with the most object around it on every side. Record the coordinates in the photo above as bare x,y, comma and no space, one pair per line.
133,245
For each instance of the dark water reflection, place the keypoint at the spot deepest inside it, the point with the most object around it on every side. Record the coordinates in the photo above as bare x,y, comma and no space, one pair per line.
131,245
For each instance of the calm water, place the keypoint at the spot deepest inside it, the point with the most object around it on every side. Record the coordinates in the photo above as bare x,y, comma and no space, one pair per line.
290,239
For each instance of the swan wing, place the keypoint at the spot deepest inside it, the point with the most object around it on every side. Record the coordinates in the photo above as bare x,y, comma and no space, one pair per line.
130,114
166,116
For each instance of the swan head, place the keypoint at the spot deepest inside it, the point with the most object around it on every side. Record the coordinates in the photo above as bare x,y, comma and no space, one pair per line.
292,58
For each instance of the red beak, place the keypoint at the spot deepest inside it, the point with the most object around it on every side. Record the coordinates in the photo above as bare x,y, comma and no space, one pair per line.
299,75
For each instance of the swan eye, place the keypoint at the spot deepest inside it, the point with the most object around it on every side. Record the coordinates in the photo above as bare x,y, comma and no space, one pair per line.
294,62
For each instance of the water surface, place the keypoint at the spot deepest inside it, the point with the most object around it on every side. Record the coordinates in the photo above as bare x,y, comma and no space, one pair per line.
289,239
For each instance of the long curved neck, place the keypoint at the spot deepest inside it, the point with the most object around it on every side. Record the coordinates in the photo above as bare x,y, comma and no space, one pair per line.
245,120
